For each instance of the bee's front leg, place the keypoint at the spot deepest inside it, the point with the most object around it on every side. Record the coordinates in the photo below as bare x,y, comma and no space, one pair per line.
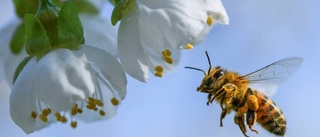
223,114
210,99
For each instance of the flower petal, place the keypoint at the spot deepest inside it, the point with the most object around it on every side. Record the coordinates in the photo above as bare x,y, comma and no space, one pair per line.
22,98
130,48
174,25
217,11
109,66
69,78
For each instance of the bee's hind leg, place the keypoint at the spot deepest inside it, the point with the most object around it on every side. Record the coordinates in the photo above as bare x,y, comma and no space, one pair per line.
251,118
239,120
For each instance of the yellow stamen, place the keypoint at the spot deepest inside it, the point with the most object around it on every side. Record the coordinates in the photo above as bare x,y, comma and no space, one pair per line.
158,69
33,115
168,59
79,110
46,112
58,116
74,124
98,102
159,74
114,101
63,119
102,113
188,46
209,20
43,118
73,112
166,53
90,99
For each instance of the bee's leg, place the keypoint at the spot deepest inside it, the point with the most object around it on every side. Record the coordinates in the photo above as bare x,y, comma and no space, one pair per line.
223,114
251,119
253,105
210,99
239,120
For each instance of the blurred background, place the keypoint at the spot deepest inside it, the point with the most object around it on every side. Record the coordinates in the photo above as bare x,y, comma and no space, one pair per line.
260,32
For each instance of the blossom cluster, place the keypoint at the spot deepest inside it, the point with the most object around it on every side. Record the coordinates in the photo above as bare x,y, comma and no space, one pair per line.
71,64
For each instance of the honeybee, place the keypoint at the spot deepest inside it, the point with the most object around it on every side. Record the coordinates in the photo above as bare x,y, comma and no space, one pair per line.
231,90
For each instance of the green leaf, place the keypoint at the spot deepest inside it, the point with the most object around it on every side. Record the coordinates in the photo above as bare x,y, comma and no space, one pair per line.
82,6
36,39
69,27
20,68
114,2
17,41
23,7
120,9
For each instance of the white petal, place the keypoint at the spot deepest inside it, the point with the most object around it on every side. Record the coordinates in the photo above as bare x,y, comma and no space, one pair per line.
99,32
109,66
217,11
22,98
130,48
155,59
69,78
171,23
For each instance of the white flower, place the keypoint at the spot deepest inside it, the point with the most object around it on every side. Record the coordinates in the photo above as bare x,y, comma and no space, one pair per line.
65,86
151,32
98,32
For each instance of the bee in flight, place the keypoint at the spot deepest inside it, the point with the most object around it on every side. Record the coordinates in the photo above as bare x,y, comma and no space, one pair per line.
231,90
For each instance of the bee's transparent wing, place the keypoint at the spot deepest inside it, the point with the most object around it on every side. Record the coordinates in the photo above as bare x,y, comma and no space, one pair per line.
266,78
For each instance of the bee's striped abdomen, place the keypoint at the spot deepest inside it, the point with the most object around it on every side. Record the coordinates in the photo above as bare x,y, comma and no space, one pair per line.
270,116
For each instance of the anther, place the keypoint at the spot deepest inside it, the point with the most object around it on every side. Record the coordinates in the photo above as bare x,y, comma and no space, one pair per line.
58,116
46,112
63,119
188,46
43,118
209,20
33,115
102,113
114,101
166,53
90,99
98,102
158,69
79,110
73,112
168,59
74,124
158,74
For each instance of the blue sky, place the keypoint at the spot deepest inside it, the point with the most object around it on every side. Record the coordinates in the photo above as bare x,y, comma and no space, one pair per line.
260,32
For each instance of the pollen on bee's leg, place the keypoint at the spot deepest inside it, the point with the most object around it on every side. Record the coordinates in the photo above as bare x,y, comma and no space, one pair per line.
210,20
73,124
189,46
115,102
33,115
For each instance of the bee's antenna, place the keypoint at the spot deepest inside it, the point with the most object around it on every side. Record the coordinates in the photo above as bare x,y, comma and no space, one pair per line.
208,62
187,67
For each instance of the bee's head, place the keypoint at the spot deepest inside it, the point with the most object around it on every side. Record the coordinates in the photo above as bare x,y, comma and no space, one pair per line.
212,81
213,78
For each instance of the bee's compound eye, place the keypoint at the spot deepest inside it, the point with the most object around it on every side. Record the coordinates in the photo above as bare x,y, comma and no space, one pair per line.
218,74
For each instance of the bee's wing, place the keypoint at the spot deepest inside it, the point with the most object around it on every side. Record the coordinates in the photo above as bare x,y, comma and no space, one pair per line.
273,74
